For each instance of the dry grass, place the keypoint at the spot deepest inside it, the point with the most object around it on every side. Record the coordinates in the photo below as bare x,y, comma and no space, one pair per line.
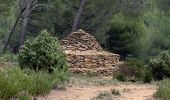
104,95
77,79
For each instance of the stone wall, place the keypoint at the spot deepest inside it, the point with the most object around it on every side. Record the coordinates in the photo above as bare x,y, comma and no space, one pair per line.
85,55
91,59
81,41
99,63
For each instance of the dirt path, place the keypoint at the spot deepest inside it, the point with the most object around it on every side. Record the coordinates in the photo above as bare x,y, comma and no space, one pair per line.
127,91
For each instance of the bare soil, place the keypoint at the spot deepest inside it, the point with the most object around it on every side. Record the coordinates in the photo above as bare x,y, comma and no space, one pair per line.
128,91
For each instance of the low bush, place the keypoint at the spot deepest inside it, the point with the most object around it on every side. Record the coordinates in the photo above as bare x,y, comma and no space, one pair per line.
115,92
160,65
17,83
43,53
147,78
120,77
133,70
103,96
163,91
36,59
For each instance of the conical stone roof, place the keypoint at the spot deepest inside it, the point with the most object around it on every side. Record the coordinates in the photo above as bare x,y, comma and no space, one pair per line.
85,55
80,41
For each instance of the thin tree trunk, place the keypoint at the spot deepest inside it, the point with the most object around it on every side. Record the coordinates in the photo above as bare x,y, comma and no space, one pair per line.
12,31
78,16
24,23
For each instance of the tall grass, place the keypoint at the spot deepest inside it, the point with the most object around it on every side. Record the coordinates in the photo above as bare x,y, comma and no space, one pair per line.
15,83
163,91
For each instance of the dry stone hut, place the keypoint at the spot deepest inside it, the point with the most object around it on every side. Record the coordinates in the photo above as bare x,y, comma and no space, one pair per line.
85,55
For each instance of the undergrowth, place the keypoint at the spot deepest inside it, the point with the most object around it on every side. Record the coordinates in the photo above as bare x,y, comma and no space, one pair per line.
16,83
133,70
163,91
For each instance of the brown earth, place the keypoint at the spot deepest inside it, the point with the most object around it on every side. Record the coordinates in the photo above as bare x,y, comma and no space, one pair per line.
128,92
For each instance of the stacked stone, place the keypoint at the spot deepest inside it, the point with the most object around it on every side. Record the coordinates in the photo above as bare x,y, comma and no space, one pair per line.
92,60
99,63
80,40
85,55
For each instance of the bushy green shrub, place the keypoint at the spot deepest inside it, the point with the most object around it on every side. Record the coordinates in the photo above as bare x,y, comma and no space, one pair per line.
43,52
134,70
17,83
163,91
160,65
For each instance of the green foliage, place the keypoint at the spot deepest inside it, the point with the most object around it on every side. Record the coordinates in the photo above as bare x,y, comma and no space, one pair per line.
17,83
163,91
134,70
8,58
137,68
157,38
160,65
5,7
43,53
147,78
24,96
124,36
148,24
119,76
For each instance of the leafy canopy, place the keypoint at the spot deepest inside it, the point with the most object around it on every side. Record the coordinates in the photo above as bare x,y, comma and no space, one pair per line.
43,53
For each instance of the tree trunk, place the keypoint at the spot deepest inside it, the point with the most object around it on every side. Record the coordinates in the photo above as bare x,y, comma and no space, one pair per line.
12,31
24,23
78,16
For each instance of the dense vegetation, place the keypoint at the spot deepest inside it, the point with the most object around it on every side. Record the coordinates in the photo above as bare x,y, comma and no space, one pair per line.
43,53
42,66
16,83
130,28
136,29
134,70
164,90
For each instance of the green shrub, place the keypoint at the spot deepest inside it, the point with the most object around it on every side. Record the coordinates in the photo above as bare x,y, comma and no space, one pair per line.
124,36
43,52
163,91
160,65
120,77
17,83
134,70
147,78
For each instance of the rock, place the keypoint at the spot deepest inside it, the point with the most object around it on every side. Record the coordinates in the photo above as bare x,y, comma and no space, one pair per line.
85,55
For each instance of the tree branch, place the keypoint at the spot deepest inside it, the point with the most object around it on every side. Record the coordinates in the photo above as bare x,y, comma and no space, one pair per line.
12,31
38,5
75,7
